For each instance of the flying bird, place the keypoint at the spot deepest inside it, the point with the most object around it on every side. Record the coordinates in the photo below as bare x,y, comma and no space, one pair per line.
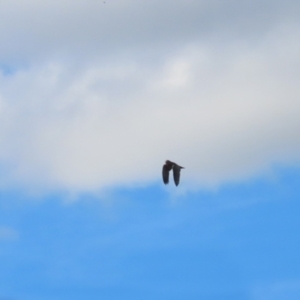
167,167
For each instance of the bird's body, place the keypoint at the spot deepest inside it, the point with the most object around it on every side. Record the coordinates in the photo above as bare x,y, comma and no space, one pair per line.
167,167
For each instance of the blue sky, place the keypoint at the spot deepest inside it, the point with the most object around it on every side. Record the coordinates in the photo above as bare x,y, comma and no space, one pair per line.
95,96
240,242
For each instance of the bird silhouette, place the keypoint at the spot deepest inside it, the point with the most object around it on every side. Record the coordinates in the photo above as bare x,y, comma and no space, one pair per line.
167,167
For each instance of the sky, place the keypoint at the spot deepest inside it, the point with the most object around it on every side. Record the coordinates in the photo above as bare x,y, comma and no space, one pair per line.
95,96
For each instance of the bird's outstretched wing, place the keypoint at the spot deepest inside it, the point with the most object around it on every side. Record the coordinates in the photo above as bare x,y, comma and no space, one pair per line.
176,173
165,174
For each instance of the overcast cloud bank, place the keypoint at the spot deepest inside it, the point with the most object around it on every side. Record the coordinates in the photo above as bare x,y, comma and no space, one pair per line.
95,95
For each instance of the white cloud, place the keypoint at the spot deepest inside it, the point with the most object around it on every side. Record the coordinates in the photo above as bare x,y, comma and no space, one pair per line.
225,107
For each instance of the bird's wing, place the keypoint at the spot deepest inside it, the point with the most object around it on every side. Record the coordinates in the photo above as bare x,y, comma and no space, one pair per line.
165,174
176,173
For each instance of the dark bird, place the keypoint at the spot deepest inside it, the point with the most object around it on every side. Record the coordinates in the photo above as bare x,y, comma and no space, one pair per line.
167,167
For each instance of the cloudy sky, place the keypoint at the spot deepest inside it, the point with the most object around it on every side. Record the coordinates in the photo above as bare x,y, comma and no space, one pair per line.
96,95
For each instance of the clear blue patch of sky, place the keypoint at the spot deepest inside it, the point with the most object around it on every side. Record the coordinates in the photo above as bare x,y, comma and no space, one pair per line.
7,69
142,244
